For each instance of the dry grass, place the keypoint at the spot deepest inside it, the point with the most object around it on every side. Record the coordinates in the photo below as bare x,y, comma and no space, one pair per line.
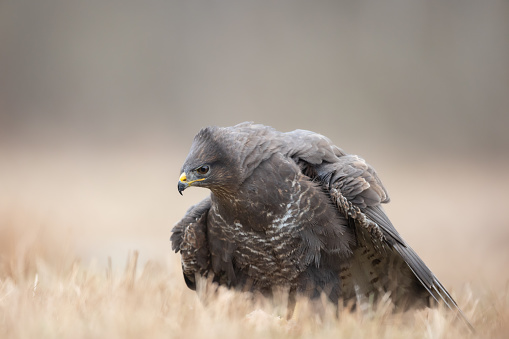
64,273
41,299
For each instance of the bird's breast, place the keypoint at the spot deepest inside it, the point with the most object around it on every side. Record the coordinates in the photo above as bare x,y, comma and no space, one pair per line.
269,223
270,256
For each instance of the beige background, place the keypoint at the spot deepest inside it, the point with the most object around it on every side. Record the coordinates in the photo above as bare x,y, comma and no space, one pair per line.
100,100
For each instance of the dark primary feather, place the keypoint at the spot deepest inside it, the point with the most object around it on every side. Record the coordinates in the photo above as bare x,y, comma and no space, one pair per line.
292,209
356,181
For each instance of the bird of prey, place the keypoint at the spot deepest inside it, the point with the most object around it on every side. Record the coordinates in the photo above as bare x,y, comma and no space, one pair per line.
293,210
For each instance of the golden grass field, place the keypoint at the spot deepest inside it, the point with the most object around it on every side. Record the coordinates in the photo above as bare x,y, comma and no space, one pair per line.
85,253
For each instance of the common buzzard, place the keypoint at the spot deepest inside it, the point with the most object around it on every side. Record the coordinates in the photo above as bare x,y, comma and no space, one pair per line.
293,210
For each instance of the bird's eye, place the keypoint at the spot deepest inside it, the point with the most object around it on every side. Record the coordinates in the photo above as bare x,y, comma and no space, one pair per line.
203,170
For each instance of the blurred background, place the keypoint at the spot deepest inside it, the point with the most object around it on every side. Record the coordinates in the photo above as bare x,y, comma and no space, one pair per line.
100,100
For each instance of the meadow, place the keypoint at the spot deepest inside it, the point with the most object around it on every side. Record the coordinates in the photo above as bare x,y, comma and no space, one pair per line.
85,253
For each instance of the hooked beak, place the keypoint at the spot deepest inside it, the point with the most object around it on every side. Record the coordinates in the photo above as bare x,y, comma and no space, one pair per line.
184,182
182,185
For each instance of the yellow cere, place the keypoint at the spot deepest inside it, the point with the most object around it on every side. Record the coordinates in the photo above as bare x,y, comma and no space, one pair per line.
183,178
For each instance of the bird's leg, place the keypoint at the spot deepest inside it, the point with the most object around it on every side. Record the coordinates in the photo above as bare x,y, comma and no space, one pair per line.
292,301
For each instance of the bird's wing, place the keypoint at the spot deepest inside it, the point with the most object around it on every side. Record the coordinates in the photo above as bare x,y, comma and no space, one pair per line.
358,193
190,239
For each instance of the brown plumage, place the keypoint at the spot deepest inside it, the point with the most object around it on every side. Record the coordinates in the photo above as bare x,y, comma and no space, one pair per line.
293,210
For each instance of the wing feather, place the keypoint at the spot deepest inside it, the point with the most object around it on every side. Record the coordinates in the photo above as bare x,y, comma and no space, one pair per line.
359,193
189,237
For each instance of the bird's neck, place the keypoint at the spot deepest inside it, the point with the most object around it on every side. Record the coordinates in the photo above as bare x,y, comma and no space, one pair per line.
240,209
229,202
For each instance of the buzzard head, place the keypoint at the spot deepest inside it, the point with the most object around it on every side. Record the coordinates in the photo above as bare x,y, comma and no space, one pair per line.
211,163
